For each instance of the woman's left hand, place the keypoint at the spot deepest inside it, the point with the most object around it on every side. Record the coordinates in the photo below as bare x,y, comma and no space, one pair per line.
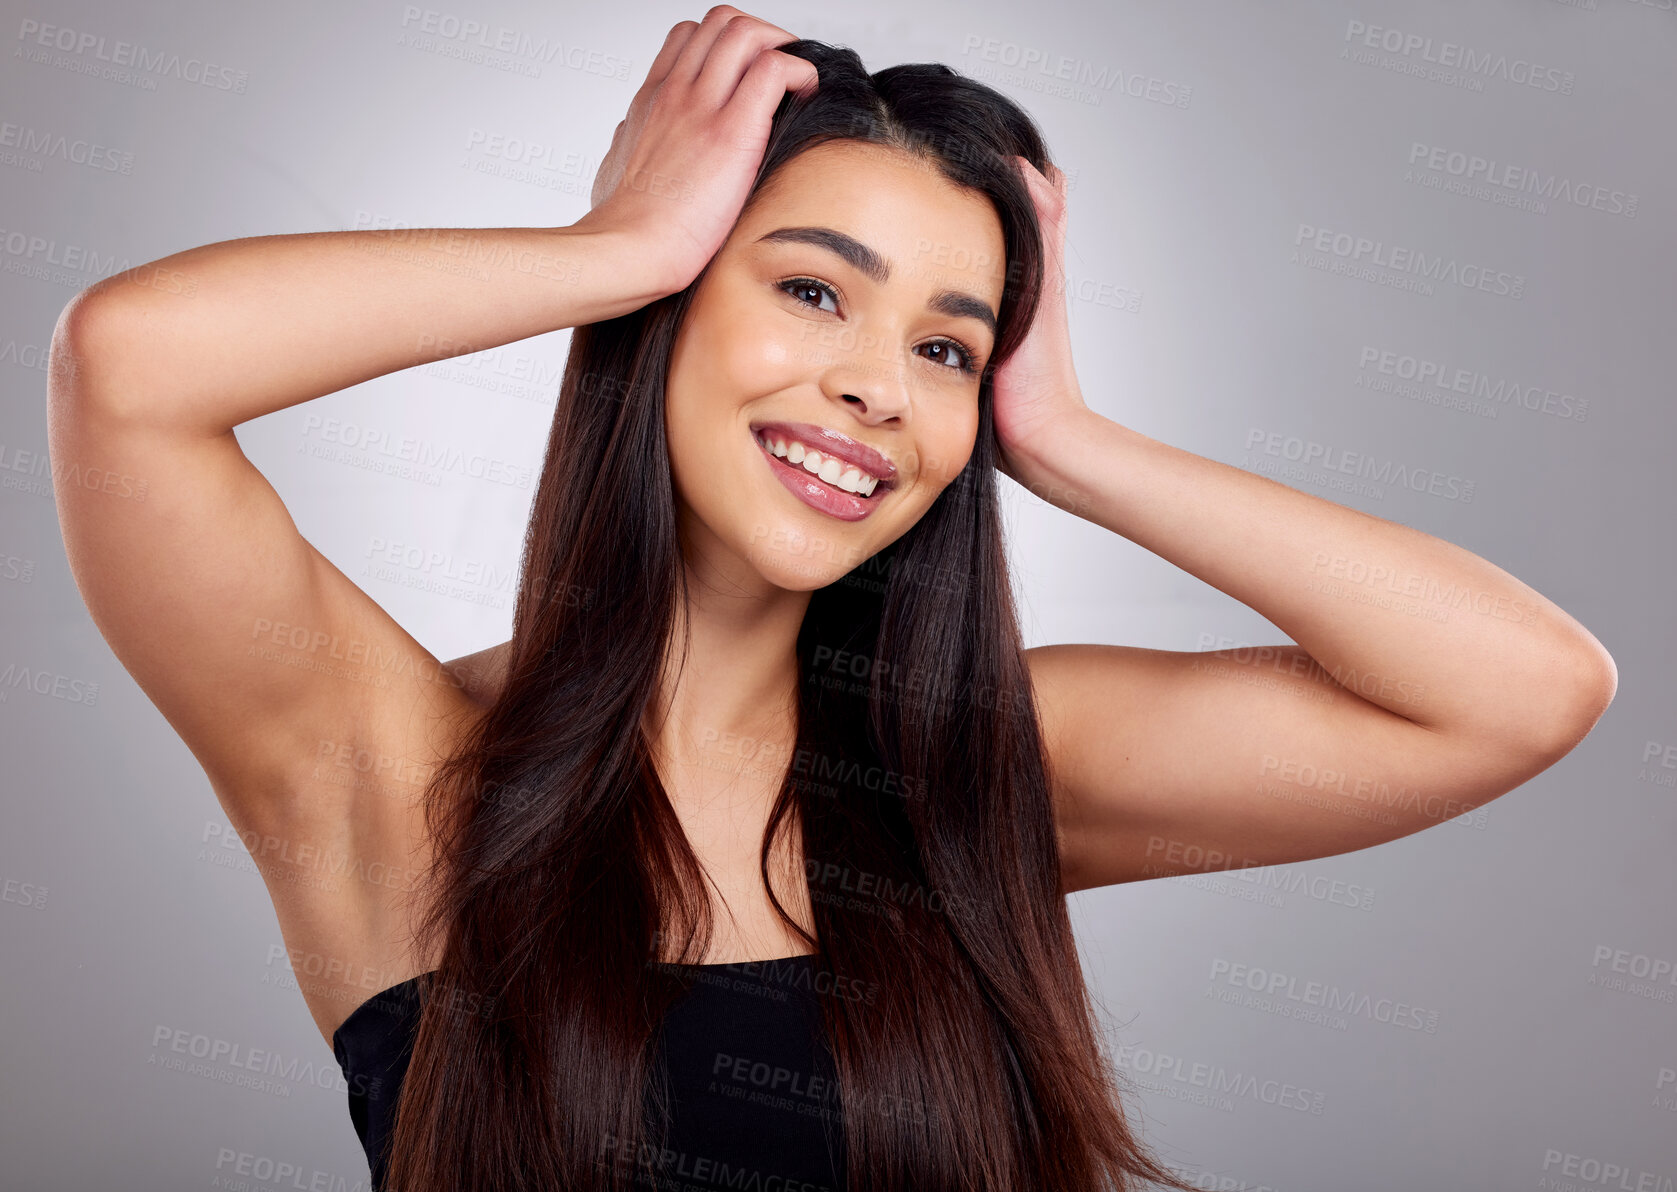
1036,389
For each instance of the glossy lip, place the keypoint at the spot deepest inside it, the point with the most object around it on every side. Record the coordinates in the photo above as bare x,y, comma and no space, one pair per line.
818,494
836,444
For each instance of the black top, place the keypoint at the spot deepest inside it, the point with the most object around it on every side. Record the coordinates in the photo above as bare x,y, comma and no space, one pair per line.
753,1093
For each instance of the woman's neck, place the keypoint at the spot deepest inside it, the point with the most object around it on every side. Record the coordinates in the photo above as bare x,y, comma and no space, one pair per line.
728,692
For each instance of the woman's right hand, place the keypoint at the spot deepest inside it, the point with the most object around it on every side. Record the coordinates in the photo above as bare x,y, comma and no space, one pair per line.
682,162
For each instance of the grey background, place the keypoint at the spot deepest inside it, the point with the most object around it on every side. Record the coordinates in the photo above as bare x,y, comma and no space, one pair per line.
124,915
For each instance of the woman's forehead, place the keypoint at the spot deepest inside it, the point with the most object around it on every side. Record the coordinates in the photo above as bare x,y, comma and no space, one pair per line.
899,206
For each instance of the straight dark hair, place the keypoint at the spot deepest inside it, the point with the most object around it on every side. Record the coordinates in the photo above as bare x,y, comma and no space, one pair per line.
966,1048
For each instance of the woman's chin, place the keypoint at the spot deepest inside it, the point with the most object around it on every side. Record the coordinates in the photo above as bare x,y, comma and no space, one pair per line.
799,561
799,575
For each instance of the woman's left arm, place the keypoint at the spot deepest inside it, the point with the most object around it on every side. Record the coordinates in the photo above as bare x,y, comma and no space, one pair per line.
1425,680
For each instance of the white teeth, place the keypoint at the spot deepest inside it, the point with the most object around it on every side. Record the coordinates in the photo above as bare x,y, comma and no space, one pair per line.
829,468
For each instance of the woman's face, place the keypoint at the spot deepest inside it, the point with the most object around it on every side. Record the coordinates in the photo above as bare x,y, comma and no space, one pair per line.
831,321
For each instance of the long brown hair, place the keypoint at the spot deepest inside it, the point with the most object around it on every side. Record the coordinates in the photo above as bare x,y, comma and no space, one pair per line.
918,780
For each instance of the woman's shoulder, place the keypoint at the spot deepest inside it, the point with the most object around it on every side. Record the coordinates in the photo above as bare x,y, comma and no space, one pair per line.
482,673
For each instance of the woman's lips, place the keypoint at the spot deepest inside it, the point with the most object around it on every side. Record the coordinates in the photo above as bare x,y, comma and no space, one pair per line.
833,444
817,493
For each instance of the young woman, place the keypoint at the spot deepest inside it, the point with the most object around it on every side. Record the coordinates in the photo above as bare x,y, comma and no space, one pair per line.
745,858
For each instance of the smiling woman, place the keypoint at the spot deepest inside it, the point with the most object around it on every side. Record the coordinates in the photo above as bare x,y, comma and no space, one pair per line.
818,311
820,569
744,860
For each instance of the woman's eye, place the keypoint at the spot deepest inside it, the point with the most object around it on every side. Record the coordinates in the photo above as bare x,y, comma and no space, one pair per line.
810,293
942,352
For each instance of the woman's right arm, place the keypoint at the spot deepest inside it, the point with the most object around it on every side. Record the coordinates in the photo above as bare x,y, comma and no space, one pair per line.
214,336
259,651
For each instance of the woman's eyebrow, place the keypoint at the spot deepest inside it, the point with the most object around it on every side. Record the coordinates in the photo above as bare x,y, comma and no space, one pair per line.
963,306
868,262
863,258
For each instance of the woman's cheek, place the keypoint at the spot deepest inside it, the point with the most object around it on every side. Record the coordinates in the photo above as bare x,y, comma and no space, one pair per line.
945,450
779,357
745,361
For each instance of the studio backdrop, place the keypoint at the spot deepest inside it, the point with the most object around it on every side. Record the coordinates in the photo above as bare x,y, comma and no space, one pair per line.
1416,258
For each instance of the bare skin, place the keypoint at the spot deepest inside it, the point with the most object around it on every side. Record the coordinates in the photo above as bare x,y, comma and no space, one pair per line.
279,673
317,717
